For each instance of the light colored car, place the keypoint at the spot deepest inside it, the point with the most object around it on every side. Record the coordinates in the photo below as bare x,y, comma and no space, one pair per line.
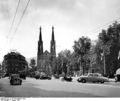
93,77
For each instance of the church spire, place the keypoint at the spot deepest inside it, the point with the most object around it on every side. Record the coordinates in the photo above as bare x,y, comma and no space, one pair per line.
53,34
40,36
53,46
40,45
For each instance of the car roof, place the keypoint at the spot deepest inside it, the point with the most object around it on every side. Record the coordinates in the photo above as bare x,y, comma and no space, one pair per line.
14,74
95,73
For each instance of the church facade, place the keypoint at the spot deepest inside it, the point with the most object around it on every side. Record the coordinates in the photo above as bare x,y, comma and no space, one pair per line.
45,59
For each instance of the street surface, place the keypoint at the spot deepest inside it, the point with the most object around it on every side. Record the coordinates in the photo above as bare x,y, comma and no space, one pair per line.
57,88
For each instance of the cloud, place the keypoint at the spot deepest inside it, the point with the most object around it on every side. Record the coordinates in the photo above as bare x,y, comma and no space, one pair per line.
4,10
64,4
73,18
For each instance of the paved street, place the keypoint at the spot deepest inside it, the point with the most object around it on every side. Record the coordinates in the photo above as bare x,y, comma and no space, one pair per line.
57,88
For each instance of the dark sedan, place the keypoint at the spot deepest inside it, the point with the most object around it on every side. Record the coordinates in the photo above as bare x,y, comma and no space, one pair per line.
15,79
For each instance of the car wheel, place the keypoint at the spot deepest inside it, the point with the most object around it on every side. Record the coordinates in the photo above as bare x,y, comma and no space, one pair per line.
102,81
78,80
83,81
98,81
115,80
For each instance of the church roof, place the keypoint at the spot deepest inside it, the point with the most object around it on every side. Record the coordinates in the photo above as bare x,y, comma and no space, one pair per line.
46,52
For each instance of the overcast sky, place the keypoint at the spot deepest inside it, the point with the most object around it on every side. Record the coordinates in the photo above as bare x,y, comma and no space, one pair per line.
71,19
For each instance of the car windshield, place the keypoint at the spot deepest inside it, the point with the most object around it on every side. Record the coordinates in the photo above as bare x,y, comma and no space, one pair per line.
96,75
15,76
85,74
90,74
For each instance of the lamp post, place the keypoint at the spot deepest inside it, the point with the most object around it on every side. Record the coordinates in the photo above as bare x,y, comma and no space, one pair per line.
103,54
104,63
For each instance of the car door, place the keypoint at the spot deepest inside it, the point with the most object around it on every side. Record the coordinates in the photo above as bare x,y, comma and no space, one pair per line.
90,78
95,77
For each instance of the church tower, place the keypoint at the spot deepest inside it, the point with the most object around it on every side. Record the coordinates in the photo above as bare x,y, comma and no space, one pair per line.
53,45
40,47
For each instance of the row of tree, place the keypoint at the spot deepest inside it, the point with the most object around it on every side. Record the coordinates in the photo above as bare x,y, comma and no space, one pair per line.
101,55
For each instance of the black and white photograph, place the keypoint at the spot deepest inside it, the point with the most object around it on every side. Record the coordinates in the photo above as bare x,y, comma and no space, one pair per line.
59,49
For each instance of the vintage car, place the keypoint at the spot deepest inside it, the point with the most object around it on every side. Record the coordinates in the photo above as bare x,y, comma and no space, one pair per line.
37,76
67,78
56,76
23,76
15,79
93,77
44,76
117,75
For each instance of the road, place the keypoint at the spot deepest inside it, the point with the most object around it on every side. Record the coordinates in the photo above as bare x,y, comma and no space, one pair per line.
57,88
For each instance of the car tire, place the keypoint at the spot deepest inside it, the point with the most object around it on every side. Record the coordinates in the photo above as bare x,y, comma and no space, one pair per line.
83,81
102,81
98,81
78,80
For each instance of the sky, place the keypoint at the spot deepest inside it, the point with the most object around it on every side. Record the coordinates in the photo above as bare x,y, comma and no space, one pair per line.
71,19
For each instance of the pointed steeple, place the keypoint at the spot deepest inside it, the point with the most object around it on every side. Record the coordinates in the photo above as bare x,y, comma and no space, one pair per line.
40,36
53,46
53,34
40,46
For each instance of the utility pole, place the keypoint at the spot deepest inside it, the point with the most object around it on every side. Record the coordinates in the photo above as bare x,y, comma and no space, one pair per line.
104,62
104,65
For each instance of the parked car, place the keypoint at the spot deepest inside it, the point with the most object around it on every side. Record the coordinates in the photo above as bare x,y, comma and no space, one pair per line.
37,76
42,77
23,76
117,77
93,77
45,77
56,76
15,79
67,78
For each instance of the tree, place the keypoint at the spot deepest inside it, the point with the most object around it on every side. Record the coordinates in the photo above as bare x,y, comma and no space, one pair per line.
81,49
99,58
14,63
0,66
105,44
109,43
58,66
32,63
62,62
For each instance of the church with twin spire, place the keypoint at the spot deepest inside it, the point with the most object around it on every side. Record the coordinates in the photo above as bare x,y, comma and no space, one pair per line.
45,59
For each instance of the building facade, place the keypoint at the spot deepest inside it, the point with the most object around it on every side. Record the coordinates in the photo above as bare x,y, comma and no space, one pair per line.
45,59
